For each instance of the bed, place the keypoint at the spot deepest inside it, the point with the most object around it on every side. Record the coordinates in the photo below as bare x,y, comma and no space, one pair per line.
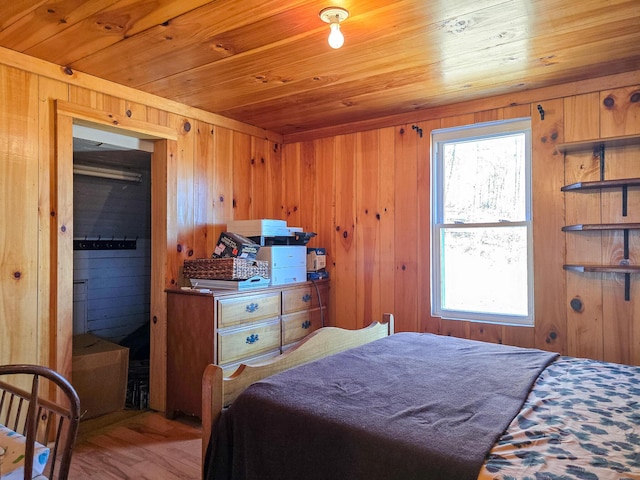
371,405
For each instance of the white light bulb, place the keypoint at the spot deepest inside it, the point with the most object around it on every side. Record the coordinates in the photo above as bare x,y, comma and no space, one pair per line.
336,39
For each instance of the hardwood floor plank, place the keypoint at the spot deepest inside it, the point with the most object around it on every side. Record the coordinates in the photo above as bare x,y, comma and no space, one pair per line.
137,445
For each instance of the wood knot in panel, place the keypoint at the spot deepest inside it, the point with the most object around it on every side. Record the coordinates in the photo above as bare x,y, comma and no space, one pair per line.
548,60
609,102
111,26
576,305
223,49
457,25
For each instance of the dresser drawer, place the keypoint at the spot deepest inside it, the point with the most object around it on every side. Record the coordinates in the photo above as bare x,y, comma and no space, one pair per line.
296,326
303,298
236,344
237,310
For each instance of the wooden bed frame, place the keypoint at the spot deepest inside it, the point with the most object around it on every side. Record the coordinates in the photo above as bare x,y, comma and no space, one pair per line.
218,391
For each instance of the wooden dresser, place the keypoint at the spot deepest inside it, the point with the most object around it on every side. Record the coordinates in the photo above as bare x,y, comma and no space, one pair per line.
228,328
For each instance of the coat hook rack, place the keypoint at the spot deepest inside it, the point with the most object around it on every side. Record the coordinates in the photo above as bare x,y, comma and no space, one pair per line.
541,110
99,244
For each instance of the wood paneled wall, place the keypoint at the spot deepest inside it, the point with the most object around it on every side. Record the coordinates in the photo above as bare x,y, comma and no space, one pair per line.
206,170
367,195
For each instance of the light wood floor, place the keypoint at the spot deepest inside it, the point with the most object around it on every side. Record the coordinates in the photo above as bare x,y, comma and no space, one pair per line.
137,445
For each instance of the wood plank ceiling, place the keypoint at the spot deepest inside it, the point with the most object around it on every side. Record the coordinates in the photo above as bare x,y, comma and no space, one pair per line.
267,62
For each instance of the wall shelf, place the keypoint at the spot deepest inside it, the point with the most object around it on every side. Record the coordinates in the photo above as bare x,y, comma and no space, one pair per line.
583,146
599,146
622,182
627,270
603,268
600,226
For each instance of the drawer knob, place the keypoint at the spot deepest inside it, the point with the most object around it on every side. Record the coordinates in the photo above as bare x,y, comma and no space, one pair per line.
306,324
252,307
253,338
306,298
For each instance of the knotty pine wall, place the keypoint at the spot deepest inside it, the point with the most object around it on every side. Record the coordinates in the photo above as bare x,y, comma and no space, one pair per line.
206,171
367,195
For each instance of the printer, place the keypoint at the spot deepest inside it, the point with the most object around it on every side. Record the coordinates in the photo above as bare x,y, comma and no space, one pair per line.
287,263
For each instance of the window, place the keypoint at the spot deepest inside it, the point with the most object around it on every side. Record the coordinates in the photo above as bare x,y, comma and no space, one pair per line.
482,248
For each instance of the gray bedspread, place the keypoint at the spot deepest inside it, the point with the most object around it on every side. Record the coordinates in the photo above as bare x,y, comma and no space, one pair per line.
409,406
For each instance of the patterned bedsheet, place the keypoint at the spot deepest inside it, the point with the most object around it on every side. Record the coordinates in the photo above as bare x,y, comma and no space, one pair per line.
581,421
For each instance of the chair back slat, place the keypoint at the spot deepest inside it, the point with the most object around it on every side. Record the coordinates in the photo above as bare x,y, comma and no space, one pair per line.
14,414
50,423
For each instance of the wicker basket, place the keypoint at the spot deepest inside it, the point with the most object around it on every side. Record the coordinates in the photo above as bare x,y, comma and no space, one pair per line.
225,268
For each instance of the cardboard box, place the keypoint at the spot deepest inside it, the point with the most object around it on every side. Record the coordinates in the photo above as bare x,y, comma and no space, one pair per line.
316,259
231,244
259,228
99,375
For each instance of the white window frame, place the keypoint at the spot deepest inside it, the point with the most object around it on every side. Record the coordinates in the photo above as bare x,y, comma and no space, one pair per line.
466,133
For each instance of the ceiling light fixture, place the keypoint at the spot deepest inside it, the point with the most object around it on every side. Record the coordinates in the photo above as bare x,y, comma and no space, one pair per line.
333,16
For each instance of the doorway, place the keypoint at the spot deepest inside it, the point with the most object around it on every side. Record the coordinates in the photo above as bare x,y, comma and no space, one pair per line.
163,226
112,258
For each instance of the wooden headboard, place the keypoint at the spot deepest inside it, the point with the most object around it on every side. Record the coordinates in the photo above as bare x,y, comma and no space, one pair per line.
218,391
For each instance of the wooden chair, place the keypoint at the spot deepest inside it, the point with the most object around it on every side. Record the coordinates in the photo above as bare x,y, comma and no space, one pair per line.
50,423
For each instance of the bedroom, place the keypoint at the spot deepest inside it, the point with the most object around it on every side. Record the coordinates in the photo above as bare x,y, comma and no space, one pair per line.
377,237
